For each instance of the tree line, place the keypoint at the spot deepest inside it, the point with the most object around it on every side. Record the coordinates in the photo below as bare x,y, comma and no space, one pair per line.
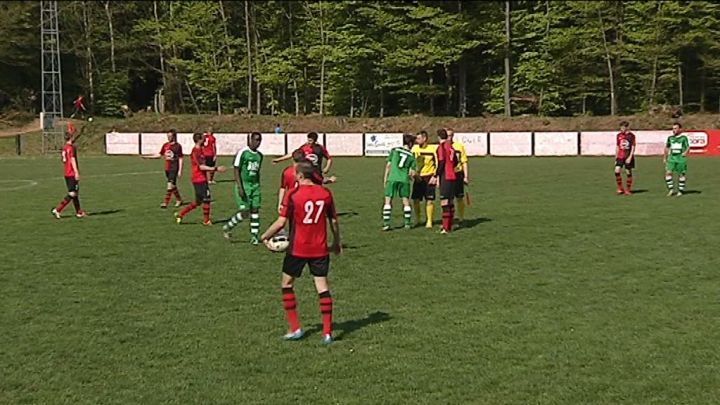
372,58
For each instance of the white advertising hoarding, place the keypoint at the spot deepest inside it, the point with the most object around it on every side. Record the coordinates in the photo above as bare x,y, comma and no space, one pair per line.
511,143
121,143
600,143
650,142
380,144
296,140
152,142
344,144
476,143
556,143
273,144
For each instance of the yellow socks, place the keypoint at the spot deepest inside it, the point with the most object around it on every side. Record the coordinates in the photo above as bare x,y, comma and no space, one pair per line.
429,208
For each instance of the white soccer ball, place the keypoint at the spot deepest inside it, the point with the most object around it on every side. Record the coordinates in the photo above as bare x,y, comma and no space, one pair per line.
279,242
90,119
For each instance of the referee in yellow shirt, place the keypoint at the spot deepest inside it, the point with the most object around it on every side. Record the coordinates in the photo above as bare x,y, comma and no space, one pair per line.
425,183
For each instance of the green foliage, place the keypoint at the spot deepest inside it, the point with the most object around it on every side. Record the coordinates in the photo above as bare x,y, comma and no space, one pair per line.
374,57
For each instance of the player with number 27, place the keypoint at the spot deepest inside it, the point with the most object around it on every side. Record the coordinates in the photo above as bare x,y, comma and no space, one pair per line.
307,207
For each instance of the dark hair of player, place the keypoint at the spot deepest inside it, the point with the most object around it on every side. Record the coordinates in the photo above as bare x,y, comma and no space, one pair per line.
306,169
408,140
255,135
678,124
442,134
173,133
624,124
313,136
298,156
68,135
423,133
197,137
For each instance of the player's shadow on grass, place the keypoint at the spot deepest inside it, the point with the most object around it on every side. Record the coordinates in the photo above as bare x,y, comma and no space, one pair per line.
225,181
347,214
106,212
641,191
345,328
692,192
468,223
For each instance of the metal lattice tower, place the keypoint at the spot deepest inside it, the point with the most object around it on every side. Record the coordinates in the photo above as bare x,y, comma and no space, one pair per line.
52,100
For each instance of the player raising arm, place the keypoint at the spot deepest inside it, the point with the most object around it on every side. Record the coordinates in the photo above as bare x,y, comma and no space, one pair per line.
72,177
199,181
314,152
399,172
247,187
424,186
307,208
624,157
675,159
172,152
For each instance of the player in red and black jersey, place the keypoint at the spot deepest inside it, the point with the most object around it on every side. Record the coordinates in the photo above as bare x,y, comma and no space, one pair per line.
72,176
171,151
210,153
447,177
315,154
199,181
287,179
307,207
624,157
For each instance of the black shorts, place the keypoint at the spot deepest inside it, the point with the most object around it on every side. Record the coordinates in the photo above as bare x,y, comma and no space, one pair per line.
447,189
171,176
202,192
293,266
628,166
210,161
72,184
460,185
422,189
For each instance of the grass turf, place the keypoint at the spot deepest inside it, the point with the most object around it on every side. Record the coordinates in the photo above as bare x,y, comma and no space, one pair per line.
557,291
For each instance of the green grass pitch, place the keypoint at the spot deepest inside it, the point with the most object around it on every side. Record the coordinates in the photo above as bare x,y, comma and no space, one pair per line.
558,291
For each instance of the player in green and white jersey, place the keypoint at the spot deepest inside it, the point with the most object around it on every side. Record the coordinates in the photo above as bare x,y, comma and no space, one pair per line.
675,159
399,174
247,187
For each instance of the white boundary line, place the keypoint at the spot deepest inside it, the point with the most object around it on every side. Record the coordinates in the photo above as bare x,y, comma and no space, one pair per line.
33,183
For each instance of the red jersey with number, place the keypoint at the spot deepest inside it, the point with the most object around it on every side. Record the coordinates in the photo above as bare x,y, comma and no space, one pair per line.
307,208
315,153
68,153
447,161
625,143
196,159
287,181
209,148
171,152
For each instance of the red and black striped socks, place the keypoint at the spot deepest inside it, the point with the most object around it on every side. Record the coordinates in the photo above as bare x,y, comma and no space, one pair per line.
448,212
206,212
166,199
618,180
326,305
63,203
187,209
290,307
177,194
629,182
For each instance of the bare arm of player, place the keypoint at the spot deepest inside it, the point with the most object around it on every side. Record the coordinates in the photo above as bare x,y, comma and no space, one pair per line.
281,198
631,155
272,230
180,167
205,168
282,158
328,165
336,246
665,154
74,164
329,180
387,171
238,181
466,173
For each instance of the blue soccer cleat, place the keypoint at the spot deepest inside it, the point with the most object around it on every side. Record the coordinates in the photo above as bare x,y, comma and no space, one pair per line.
327,339
297,335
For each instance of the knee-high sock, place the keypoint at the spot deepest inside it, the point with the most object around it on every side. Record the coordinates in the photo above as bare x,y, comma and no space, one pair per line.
177,194
206,211
407,215
461,208
187,209
233,222
447,218
76,203
290,307
681,184
618,181
254,224
669,182
326,307
168,195
387,210
429,209
629,182
63,203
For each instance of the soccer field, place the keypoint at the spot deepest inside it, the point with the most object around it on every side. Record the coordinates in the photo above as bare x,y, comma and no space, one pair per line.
556,291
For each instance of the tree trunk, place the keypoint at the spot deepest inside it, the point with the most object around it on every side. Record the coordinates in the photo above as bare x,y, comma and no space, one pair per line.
508,110
462,88
258,91
680,84
225,31
352,102
611,76
322,62
295,87
108,13
192,98
161,100
305,89
653,83
449,89
249,55
584,104
432,97
219,104
382,102
88,55
702,90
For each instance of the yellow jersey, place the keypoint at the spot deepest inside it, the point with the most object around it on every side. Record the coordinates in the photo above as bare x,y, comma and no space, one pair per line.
426,159
460,156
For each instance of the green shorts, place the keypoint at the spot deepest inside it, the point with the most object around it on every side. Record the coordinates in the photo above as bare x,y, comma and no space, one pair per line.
252,199
397,189
676,166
